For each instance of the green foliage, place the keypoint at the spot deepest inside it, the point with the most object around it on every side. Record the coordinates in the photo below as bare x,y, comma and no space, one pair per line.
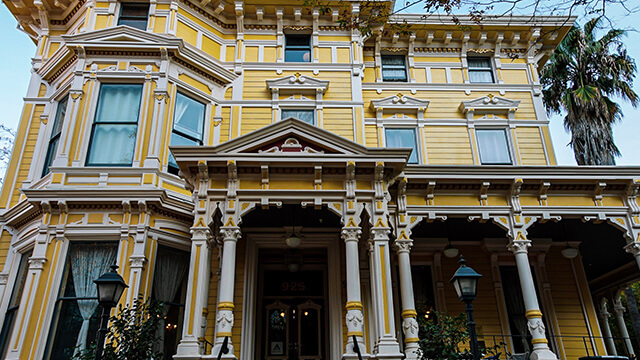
442,335
582,76
133,332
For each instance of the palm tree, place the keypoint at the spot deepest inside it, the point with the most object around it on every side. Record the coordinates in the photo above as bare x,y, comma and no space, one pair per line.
580,78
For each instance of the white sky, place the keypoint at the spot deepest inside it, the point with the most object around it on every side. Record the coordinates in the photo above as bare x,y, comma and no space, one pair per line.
18,49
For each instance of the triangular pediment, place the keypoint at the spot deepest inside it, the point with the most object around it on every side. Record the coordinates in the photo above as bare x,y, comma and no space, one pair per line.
491,103
399,101
123,36
297,82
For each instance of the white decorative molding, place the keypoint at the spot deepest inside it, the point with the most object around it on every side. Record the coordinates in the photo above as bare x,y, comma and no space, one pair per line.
297,82
489,104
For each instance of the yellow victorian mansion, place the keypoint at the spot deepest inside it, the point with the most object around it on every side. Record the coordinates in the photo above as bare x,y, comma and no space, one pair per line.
297,187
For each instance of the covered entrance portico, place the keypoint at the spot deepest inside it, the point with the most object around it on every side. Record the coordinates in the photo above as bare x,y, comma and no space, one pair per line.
250,194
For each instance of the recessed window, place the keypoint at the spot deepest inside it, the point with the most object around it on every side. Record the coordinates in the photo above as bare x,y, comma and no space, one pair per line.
394,68
134,15
55,134
188,124
307,116
14,303
297,48
115,127
493,147
403,138
480,70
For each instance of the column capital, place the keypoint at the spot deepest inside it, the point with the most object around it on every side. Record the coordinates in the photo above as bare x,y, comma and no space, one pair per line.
351,233
230,233
379,234
618,308
519,246
633,248
403,246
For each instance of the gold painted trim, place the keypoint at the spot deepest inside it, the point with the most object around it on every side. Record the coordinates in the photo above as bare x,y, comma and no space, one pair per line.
409,313
533,314
226,305
539,341
411,340
356,333
383,277
353,305
223,334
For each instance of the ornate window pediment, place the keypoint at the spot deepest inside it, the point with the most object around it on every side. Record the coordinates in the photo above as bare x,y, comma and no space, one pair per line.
298,82
400,104
489,104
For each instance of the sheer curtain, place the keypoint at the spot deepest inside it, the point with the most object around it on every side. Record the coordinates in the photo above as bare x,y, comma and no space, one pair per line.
88,262
304,115
403,138
493,147
171,266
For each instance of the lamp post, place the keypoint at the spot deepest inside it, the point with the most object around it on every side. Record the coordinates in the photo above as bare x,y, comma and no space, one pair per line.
110,288
465,281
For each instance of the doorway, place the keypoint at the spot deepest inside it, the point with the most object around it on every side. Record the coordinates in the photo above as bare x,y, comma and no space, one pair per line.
292,305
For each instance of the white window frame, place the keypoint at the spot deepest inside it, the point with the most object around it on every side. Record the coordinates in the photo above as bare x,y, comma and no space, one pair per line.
490,70
406,68
509,143
416,135
314,110
205,126
133,2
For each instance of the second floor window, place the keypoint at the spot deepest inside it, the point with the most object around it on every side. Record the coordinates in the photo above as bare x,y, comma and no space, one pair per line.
304,115
480,70
55,134
115,127
403,138
297,48
188,124
493,147
394,68
134,15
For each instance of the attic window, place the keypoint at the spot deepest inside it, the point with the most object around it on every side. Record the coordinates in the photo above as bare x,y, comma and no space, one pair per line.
134,15
297,48
304,115
480,70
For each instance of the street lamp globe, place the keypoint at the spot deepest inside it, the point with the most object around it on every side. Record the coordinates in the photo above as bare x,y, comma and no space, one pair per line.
465,281
110,287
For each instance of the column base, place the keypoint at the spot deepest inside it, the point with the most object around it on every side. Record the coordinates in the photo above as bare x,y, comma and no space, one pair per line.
388,348
350,354
188,349
411,351
542,354
216,350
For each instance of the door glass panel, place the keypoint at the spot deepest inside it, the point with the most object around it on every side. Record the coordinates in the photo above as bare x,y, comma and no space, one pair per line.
309,332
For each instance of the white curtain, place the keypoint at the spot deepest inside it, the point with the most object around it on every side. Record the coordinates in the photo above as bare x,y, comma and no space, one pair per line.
171,267
88,262
493,147
403,138
189,116
119,103
304,115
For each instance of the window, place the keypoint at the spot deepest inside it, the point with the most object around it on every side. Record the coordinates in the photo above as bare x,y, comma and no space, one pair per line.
403,138
114,129
297,48
307,116
14,303
169,287
423,295
493,147
188,124
134,15
55,134
77,314
480,70
394,68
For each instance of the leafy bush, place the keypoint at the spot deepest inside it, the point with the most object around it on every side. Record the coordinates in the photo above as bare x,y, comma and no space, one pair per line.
133,332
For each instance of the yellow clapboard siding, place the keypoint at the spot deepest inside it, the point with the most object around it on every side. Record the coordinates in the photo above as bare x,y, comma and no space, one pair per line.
254,119
448,145
224,126
338,121
187,33
530,145
371,135
515,76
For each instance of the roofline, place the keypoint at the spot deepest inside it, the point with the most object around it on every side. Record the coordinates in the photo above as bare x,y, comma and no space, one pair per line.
464,172
488,20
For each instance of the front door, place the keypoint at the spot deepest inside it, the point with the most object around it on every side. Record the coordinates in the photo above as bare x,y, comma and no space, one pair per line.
293,312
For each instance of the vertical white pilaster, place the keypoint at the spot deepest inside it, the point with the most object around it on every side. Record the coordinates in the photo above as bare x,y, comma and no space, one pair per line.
536,327
409,313
354,318
618,309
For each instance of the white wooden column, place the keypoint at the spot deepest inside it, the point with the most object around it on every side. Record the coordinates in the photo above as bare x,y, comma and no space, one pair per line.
536,327
354,318
618,310
603,316
409,323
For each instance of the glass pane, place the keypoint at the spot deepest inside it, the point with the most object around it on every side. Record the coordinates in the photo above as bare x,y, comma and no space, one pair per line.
298,40
14,302
481,76
291,55
393,60
394,74
119,103
309,326
68,327
51,154
403,138
483,63
189,116
177,139
135,23
277,332
60,112
493,147
112,144
304,115
134,9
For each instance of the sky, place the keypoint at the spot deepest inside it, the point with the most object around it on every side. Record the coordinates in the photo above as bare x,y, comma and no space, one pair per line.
15,67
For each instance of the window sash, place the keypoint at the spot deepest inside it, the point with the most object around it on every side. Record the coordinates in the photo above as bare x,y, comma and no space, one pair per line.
187,132
480,70
297,51
115,127
403,138
52,148
394,68
307,116
493,147
134,15
14,303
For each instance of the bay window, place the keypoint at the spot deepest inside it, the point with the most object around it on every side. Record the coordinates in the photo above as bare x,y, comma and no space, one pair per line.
188,125
14,303
54,139
115,126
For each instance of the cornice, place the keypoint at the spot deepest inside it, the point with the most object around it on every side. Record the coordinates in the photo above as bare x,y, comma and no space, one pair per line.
487,21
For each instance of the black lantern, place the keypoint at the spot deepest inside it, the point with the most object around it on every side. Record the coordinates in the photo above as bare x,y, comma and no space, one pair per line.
110,288
465,281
